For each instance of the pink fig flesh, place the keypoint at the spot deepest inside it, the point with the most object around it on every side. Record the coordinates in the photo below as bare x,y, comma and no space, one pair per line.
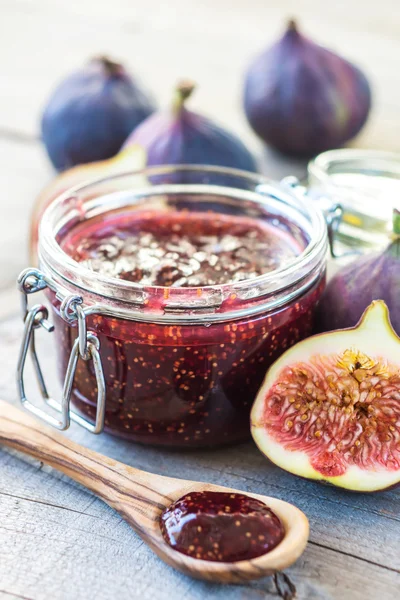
329,408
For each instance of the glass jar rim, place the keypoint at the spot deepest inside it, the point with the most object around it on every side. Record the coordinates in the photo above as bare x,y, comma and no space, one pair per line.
365,183
386,162
68,271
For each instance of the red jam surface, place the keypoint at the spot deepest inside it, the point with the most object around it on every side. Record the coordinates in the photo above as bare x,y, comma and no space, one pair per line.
180,249
182,385
220,526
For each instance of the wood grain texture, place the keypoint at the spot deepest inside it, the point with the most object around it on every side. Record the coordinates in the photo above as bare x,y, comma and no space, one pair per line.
140,497
56,540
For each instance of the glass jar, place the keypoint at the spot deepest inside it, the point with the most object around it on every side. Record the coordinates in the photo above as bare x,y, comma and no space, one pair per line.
366,183
173,366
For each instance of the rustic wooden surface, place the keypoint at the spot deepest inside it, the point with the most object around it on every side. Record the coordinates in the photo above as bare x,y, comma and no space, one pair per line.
140,498
56,540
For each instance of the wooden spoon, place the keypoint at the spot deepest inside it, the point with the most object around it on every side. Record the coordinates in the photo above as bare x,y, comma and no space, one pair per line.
140,497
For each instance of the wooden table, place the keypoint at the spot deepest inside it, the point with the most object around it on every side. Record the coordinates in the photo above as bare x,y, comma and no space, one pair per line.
56,540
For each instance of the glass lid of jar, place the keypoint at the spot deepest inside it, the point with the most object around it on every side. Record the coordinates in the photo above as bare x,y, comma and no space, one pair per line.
366,183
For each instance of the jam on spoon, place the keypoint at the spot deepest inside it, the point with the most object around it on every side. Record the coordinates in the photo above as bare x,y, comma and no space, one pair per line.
144,496
221,526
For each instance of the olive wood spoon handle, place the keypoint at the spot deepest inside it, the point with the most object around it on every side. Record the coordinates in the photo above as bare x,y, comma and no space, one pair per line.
140,497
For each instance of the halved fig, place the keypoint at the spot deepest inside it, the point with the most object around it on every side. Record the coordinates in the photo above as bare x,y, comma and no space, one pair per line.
329,407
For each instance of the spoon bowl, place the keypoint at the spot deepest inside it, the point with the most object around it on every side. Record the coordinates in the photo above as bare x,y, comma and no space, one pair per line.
140,498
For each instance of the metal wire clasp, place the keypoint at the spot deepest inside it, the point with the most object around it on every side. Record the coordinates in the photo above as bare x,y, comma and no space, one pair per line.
86,347
333,213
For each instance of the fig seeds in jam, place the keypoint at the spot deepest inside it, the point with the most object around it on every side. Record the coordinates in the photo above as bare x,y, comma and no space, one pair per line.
174,384
221,526
180,249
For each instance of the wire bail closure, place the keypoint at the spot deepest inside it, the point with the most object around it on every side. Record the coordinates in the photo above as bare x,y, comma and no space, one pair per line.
333,214
85,347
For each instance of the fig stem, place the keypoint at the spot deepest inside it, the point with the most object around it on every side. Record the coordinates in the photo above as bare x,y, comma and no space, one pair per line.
111,67
292,25
183,91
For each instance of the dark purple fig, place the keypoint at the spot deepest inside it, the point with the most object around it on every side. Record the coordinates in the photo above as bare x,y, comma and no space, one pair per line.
91,113
302,99
355,286
179,136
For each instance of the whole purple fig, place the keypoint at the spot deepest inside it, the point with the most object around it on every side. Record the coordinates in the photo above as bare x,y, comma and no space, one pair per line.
179,136
355,286
91,113
302,99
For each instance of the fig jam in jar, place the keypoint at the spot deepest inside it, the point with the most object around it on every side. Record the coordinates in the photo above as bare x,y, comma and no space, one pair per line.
191,281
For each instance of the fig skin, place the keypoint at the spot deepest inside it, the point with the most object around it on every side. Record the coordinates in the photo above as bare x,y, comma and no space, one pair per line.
303,99
91,113
353,288
179,136
339,428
